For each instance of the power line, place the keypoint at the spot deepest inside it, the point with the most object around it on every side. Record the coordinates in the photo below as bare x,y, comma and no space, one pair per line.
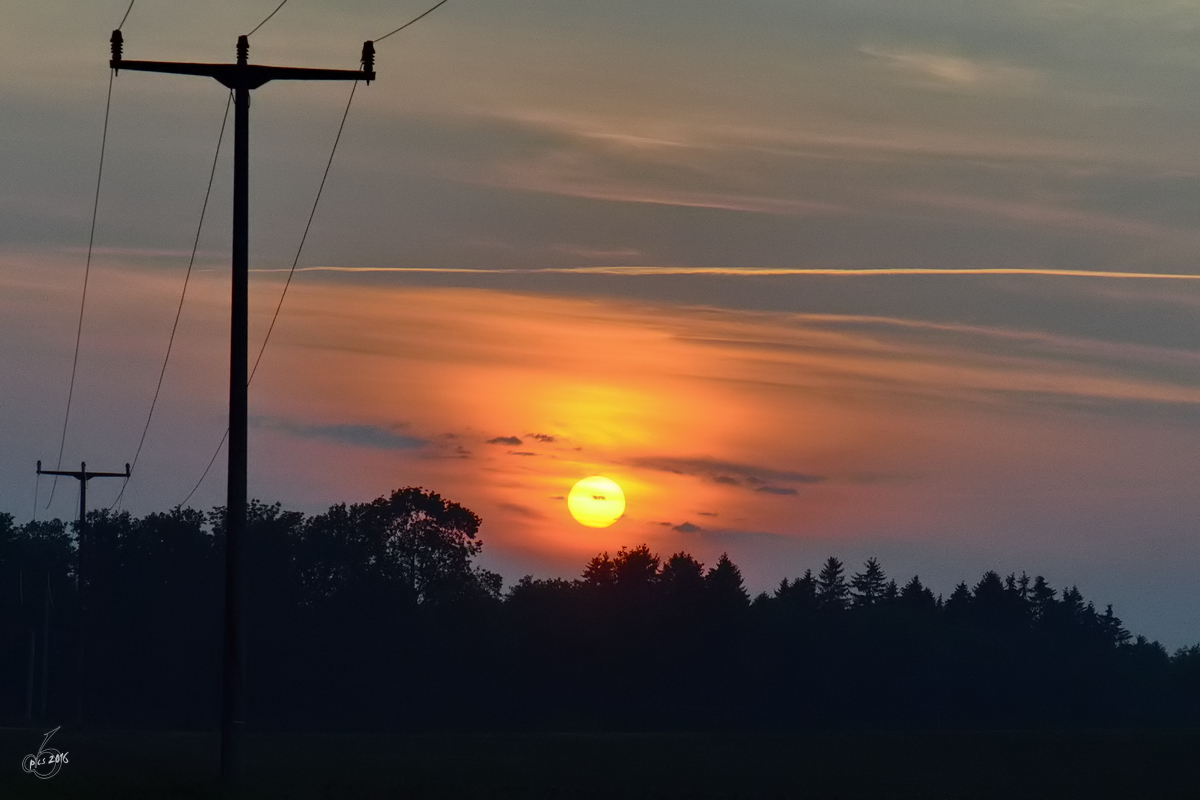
179,310
86,272
287,283
264,22
127,10
411,21
304,237
211,461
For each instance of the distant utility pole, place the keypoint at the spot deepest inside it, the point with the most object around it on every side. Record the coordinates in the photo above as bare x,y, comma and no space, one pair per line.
82,549
241,77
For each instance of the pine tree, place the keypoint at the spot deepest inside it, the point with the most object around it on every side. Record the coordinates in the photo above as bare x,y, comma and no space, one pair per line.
869,585
682,576
600,571
724,585
832,589
1114,631
636,568
799,593
1041,600
959,603
915,595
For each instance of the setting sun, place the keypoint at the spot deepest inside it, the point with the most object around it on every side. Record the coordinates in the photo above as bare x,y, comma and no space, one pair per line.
596,502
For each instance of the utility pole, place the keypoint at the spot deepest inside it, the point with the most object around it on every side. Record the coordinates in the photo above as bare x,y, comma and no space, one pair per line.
241,77
46,646
82,548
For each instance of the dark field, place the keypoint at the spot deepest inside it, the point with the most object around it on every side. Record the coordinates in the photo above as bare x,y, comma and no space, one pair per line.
1091,764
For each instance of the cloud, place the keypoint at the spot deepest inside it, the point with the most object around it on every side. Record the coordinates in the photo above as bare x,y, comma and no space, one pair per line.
572,157
523,511
686,527
541,437
775,490
509,440
955,73
707,513
521,453
724,472
357,435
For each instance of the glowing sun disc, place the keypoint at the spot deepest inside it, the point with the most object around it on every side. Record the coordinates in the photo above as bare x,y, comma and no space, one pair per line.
596,502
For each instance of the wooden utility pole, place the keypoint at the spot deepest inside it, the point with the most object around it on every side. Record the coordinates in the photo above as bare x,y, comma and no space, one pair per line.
82,549
241,77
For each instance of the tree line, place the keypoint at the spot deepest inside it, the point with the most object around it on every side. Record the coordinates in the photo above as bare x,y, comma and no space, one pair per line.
376,616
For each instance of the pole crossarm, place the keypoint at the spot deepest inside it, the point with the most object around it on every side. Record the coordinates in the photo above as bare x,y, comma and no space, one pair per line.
243,75
249,76
83,474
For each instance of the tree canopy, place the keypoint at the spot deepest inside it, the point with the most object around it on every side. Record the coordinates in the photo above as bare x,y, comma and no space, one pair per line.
377,615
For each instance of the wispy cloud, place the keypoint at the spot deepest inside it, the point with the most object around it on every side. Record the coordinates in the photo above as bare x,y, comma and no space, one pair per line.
725,472
357,435
1040,214
512,441
955,73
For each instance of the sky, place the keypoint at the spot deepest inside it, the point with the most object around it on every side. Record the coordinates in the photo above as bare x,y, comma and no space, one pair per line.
858,278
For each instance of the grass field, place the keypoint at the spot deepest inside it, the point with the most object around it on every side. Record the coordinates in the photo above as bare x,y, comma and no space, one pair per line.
1087,764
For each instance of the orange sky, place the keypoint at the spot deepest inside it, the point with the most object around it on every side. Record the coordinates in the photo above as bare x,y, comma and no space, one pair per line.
780,437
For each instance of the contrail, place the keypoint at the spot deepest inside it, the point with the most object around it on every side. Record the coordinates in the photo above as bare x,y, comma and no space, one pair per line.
762,271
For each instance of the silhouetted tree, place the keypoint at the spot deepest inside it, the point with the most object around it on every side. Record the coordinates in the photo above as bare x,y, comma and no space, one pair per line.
992,603
415,543
799,594
636,570
350,609
600,572
682,577
959,602
724,585
868,587
832,590
1041,599
914,595
1114,631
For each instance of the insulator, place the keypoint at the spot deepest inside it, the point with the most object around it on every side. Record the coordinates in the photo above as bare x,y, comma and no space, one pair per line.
118,47
243,49
368,56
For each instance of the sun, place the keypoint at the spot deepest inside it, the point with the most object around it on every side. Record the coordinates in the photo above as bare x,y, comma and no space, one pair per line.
596,502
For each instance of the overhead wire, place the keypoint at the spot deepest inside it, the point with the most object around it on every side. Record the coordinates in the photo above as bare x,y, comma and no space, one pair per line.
264,22
412,21
304,236
182,296
86,273
211,461
127,10
291,272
